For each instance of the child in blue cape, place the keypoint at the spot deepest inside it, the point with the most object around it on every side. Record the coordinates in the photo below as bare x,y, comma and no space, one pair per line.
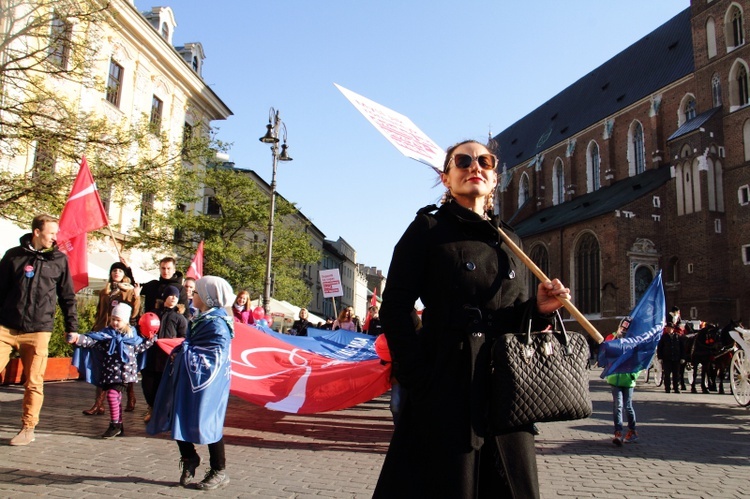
192,398
118,346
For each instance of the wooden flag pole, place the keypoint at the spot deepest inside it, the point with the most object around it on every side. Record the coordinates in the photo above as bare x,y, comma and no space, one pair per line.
112,235
335,313
577,315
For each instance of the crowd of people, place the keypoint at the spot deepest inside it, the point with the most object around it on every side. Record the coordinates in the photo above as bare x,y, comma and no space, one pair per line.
438,449
121,350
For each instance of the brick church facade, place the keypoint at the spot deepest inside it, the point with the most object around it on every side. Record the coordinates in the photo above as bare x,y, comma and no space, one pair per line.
643,165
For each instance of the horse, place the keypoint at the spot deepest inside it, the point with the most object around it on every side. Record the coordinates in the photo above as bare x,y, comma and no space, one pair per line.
710,348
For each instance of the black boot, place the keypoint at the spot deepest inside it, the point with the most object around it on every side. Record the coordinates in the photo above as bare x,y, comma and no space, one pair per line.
188,466
114,430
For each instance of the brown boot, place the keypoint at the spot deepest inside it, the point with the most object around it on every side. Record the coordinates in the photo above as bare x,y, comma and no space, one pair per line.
131,398
98,407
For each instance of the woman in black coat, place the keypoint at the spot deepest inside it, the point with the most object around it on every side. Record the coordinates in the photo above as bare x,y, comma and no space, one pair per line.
473,288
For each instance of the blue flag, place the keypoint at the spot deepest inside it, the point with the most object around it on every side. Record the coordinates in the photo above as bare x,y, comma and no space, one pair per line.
634,352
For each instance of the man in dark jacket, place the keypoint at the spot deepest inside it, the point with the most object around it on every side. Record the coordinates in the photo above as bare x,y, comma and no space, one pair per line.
32,275
670,351
168,276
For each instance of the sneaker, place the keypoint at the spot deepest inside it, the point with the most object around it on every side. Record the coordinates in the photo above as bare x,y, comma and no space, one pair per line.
188,466
147,416
114,430
213,480
631,437
617,440
24,437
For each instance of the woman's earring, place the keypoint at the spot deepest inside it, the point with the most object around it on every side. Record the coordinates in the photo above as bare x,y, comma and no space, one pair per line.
489,203
447,197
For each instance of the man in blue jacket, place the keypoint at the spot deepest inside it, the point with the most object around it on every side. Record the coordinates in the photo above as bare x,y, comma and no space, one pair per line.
33,276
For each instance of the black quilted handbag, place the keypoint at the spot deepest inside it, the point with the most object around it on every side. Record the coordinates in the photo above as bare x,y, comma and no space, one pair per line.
539,377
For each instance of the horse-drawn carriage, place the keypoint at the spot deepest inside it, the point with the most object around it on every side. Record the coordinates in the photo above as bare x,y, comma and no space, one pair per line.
739,372
709,354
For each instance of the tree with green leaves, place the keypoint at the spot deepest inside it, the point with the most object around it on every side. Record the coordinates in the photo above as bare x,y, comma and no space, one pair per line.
234,228
49,50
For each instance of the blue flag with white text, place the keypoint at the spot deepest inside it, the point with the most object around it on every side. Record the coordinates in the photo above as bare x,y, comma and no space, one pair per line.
634,352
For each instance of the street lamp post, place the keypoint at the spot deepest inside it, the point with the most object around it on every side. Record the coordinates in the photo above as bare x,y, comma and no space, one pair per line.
274,127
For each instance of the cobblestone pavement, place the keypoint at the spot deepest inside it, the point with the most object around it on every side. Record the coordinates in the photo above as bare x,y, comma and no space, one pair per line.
691,445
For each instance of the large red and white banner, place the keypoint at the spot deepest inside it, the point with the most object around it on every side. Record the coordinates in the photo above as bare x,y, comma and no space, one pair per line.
399,130
280,376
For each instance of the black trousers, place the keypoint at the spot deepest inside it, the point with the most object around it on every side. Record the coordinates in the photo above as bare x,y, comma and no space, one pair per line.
216,454
671,374
150,381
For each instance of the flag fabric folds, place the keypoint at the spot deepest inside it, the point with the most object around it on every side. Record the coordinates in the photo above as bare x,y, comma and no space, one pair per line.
196,266
83,213
326,371
634,352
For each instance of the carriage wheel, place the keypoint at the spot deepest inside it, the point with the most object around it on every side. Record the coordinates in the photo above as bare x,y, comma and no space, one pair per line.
739,377
658,373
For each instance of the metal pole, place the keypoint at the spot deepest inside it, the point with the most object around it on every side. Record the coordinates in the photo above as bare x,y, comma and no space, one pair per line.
269,250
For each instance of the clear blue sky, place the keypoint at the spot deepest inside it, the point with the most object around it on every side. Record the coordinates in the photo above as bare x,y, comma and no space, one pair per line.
456,69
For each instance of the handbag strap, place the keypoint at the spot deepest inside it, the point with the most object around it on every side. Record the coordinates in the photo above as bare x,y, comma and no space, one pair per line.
565,339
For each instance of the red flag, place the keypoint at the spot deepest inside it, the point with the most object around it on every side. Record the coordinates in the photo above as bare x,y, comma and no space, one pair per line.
373,303
83,213
196,266
77,260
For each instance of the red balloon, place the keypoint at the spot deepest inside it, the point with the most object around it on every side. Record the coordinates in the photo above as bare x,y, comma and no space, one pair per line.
381,348
149,325
259,313
268,319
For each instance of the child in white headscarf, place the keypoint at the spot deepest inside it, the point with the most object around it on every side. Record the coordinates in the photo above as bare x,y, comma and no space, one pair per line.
192,398
118,346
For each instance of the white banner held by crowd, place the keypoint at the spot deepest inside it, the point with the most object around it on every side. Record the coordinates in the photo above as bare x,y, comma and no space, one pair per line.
399,130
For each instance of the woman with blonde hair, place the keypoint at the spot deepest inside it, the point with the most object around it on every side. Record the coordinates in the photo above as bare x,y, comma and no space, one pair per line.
241,308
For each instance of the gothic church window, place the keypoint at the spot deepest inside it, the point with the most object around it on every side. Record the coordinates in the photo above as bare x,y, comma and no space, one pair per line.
523,190
738,85
587,275
558,183
735,30
636,149
593,180
540,257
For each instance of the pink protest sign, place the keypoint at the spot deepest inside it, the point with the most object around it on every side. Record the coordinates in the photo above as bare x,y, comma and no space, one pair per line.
399,130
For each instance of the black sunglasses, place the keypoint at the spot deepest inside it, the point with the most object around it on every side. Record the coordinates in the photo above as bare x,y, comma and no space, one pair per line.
464,161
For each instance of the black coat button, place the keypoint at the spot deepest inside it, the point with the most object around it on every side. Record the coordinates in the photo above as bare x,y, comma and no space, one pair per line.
470,266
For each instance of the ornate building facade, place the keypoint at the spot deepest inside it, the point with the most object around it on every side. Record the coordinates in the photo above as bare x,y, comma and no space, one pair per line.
643,165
